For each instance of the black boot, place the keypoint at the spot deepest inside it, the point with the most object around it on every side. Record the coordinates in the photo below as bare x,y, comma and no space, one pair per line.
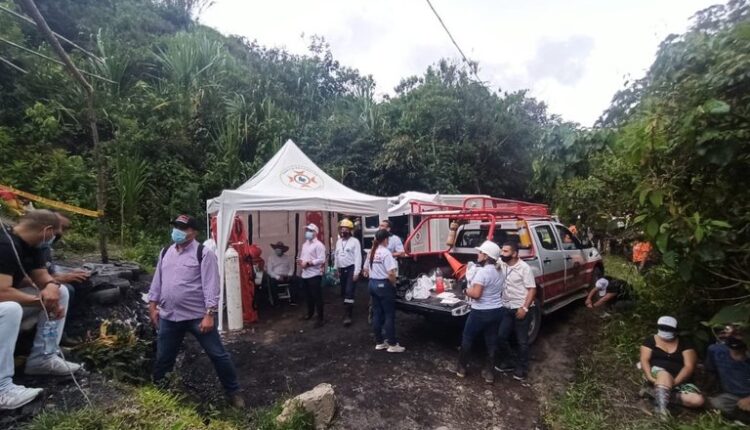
488,373
349,309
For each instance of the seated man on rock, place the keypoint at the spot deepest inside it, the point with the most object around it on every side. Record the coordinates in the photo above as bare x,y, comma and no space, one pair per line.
21,258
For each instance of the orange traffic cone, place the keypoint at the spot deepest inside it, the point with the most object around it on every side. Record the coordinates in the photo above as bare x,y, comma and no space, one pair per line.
459,269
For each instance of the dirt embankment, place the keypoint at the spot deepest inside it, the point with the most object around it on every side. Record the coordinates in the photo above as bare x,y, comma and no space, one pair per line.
283,356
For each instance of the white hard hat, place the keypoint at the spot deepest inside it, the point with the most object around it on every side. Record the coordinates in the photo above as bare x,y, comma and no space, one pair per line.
312,227
602,283
490,248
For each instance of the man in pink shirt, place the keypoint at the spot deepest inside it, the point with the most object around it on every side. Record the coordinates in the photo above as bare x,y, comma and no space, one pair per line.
184,298
312,261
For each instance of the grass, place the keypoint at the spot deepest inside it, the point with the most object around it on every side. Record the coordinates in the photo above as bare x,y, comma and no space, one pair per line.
148,408
604,394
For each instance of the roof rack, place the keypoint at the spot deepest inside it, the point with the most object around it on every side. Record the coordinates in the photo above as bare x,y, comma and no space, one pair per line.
504,208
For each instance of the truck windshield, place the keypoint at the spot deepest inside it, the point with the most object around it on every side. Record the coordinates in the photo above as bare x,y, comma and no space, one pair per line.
472,238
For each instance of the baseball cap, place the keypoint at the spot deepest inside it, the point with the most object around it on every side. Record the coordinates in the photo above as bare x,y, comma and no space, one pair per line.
312,227
667,323
185,221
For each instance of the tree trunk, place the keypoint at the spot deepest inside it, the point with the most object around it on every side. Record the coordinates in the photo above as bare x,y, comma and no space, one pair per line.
101,179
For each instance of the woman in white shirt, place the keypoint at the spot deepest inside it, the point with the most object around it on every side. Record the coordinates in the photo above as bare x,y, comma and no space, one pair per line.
381,267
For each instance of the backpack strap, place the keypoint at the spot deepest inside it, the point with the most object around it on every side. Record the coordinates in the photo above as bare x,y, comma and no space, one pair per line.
199,254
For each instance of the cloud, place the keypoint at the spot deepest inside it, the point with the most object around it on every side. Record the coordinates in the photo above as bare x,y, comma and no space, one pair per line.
561,60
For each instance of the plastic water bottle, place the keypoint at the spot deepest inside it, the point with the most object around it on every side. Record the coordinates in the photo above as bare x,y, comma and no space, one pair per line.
439,284
49,334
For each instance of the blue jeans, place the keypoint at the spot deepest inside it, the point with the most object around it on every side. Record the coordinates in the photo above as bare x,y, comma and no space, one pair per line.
171,334
383,295
509,324
485,322
346,277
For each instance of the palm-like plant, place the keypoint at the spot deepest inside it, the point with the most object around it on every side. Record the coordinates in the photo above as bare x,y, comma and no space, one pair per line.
131,177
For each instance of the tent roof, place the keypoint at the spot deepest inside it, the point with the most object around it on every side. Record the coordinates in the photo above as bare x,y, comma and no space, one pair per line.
291,181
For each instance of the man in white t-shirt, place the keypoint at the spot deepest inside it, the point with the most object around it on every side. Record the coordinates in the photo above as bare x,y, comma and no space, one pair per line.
518,298
395,245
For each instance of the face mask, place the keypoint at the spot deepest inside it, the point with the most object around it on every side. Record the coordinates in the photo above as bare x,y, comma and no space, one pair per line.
735,343
46,243
178,236
506,258
309,235
666,335
278,252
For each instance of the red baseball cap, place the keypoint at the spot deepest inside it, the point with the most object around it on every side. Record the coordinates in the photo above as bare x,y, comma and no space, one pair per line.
185,221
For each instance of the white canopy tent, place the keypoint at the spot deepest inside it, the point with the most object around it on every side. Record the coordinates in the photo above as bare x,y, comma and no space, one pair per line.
289,183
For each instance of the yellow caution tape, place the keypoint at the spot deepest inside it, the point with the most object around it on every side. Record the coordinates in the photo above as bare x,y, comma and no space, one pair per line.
53,203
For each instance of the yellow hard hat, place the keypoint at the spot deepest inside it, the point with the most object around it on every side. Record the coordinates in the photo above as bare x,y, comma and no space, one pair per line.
346,223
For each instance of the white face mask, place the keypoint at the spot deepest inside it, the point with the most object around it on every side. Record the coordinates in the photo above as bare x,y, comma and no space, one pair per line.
666,335
278,252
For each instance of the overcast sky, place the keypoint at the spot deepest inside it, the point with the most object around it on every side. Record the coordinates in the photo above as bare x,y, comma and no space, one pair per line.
572,54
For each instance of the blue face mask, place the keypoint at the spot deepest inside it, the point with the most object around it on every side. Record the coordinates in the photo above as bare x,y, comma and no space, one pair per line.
309,235
178,236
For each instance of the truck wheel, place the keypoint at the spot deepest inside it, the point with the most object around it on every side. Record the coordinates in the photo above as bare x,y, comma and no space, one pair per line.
536,320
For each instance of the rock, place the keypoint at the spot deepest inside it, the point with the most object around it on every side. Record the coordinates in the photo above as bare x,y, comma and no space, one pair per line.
108,296
320,401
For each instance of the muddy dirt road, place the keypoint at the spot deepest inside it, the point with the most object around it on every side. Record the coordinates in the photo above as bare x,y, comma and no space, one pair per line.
283,356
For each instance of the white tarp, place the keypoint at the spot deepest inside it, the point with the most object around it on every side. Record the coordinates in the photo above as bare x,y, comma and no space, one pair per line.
290,181
401,204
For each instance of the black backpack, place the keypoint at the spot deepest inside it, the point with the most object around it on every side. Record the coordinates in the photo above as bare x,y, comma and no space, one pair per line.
199,254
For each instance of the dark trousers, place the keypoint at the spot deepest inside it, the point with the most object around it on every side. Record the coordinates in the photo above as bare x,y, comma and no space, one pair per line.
346,278
383,295
171,334
313,295
510,324
482,322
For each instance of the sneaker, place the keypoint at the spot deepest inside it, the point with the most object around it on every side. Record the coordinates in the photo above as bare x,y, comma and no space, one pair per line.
237,401
381,346
16,396
460,370
519,375
54,366
505,368
396,348
347,322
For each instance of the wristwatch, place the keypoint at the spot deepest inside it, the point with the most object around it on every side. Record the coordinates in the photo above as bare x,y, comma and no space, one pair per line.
211,311
525,309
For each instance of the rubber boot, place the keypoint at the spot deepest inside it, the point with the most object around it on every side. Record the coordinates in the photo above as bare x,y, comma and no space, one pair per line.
661,398
463,361
349,309
488,373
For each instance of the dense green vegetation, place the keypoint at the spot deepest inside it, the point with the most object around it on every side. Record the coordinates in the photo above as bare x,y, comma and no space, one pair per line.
192,112
669,157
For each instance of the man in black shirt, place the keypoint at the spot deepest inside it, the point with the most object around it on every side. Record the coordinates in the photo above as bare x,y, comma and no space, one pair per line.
21,258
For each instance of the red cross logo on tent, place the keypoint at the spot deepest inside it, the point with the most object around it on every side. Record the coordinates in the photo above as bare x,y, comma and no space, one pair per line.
300,178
